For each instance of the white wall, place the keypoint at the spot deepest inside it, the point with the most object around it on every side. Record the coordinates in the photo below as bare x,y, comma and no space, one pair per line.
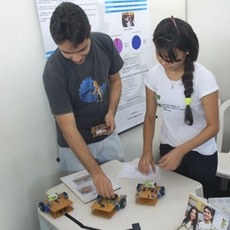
211,21
27,134
214,36
27,143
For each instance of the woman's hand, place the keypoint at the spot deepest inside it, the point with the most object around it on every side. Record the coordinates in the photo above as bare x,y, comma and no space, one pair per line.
146,163
171,160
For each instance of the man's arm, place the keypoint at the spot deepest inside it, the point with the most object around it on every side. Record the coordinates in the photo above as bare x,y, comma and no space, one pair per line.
67,124
114,98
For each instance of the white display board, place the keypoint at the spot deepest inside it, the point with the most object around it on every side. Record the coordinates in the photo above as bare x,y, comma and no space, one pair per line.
128,24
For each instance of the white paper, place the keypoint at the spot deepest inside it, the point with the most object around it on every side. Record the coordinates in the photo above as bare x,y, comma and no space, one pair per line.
131,171
81,183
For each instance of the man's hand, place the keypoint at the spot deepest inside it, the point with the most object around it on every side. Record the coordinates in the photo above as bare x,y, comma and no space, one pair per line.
103,185
110,122
114,98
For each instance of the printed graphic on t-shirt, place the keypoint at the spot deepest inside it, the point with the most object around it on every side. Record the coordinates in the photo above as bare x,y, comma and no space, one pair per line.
170,108
90,91
99,130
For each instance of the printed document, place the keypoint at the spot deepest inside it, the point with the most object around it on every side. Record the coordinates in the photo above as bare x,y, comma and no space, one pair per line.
81,183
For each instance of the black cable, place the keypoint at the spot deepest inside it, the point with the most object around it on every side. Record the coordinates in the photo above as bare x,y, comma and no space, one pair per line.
135,226
79,223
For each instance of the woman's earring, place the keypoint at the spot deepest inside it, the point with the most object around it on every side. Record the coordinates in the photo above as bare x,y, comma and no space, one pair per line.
187,53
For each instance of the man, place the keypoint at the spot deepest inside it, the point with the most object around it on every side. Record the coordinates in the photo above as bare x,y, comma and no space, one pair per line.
208,214
83,86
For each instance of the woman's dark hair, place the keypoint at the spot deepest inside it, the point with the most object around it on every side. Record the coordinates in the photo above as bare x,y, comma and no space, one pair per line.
174,33
69,22
187,218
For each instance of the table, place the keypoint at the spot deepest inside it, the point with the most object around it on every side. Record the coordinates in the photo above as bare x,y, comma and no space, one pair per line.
167,214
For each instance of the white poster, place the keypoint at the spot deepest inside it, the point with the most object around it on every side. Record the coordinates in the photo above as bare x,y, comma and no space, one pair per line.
128,24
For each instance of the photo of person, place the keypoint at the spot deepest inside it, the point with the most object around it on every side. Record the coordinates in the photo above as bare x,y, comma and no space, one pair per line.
128,19
208,215
191,219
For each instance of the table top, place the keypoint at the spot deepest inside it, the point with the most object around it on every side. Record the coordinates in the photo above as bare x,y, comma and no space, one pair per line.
167,214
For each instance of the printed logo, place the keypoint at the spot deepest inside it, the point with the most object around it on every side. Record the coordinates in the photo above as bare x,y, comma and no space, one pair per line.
90,91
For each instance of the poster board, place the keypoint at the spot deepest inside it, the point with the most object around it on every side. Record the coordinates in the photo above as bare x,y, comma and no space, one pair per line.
128,24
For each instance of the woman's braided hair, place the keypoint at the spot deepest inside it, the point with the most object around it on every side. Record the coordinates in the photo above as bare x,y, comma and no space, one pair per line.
174,33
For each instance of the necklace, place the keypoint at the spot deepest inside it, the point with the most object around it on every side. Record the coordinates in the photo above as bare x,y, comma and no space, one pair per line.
173,83
174,77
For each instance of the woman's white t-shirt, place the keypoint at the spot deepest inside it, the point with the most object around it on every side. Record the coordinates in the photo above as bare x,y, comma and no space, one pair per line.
171,100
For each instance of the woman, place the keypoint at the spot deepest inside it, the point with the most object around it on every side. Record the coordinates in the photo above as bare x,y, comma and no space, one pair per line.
187,94
191,220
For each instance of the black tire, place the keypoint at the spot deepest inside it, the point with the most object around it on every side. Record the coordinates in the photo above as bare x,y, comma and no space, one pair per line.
42,206
139,186
65,194
161,192
122,202
99,198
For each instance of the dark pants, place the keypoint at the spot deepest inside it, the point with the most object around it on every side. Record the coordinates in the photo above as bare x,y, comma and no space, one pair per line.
198,167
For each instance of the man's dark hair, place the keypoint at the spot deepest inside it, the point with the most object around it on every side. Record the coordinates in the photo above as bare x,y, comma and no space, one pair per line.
69,22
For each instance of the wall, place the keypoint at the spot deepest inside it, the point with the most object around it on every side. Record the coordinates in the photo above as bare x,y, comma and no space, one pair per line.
211,21
28,146
27,134
214,36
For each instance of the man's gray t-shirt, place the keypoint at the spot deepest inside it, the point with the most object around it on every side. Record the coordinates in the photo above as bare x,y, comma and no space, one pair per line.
82,89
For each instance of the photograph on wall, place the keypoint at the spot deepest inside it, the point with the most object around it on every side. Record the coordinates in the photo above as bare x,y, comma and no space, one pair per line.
201,215
128,19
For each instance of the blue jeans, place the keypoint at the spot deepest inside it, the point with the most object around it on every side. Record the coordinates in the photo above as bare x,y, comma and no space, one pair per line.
108,149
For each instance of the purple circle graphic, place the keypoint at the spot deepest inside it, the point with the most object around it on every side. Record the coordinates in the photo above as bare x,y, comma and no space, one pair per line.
118,43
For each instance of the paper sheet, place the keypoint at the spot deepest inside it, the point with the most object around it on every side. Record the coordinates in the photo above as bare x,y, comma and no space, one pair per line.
130,171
